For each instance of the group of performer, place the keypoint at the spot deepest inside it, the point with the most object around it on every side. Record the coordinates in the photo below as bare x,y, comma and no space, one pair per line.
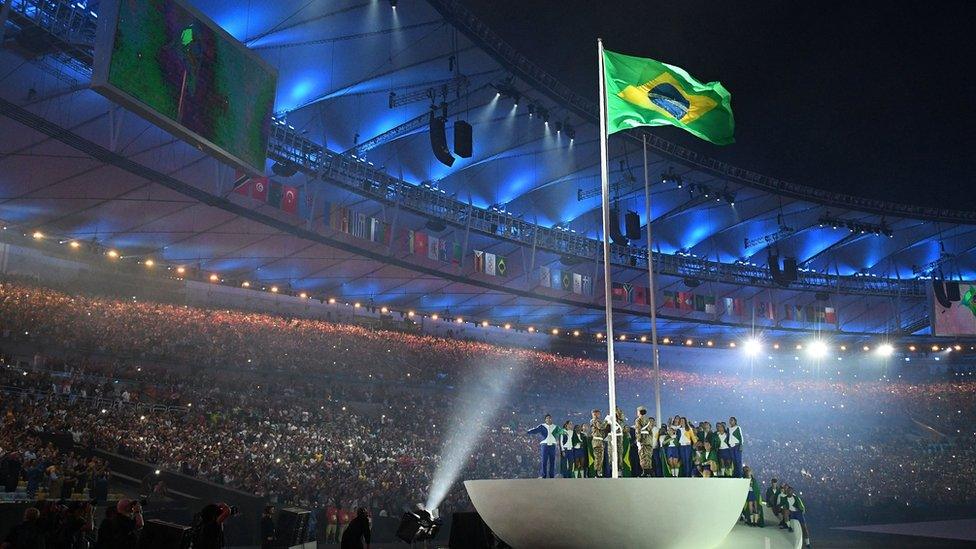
679,448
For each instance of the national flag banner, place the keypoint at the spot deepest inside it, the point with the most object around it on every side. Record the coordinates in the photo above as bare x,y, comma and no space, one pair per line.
788,312
799,314
442,253
739,306
489,264
728,302
306,201
640,295
275,192
820,313
645,92
501,266
670,299
686,301
710,304
289,199
359,226
577,283
830,315
373,229
587,285
242,183
420,243
544,275
387,233
433,247
327,214
557,279
408,240
700,303
457,253
566,281
479,261
618,291
259,188
345,213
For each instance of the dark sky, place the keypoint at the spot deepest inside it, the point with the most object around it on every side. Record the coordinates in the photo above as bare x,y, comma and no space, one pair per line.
869,98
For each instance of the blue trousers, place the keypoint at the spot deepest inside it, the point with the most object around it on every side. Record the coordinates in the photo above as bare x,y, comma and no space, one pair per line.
737,460
547,460
684,453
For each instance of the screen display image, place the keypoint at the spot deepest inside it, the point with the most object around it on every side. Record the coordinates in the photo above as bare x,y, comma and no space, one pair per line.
170,64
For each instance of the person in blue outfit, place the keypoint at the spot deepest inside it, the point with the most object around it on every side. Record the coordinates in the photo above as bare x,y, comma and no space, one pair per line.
547,432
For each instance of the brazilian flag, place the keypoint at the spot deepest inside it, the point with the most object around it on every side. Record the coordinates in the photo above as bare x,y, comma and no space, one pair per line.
645,92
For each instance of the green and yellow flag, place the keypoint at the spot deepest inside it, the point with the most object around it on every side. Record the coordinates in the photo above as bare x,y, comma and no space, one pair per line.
645,92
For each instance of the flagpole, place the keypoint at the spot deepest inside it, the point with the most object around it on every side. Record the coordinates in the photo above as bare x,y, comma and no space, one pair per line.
650,285
605,193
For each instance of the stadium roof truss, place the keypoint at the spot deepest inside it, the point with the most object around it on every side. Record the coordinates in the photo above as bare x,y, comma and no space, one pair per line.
356,83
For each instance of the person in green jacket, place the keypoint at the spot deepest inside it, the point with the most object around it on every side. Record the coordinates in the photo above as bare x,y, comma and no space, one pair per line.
753,509
794,509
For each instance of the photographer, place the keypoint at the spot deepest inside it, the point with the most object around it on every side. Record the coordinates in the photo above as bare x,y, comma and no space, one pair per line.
210,526
357,532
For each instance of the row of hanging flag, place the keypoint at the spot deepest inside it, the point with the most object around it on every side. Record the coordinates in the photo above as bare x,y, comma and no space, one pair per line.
567,281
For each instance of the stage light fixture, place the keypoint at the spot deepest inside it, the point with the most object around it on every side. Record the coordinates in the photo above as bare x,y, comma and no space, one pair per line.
866,348
885,350
274,289
393,4
410,314
818,349
38,235
752,347
332,302
531,329
555,331
484,323
214,278
935,347
245,284
508,326
418,526
383,310
180,270
434,316
459,320
112,253
74,244
689,342
911,348
149,263
303,295
576,333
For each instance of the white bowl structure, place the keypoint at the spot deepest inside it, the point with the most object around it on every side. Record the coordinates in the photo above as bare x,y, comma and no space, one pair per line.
673,513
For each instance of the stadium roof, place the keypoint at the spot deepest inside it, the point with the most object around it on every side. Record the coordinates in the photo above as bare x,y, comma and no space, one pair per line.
115,178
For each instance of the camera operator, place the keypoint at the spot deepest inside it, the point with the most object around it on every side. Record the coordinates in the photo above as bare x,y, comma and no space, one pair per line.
210,526
357,532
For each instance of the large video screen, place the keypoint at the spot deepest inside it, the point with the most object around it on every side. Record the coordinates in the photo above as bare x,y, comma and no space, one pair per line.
167,62
953,311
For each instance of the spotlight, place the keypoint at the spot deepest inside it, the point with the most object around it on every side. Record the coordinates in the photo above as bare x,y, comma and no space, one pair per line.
643,339
74,244
555,331
885,350
531,329
508,326
575,333
689,342
38,235
214,278
410,314
599,335
274,289
245,284
752,347
356,305
383,310
484,323
149,263
417,526
112,253
180,270
393,4
817,349
303,295
459,320
332,302
434,316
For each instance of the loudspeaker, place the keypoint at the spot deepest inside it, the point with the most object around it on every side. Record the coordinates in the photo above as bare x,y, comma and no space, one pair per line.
692,282
438,140
463,146
157,534
615,235
632,225
946,292
292,527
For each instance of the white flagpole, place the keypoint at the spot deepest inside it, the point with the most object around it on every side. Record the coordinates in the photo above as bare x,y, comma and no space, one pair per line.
607,287
653,296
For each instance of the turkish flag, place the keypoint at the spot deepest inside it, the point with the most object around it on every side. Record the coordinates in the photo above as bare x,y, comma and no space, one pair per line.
259,188
289,199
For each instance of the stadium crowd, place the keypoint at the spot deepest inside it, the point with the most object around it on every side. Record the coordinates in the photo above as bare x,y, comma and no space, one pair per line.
367,418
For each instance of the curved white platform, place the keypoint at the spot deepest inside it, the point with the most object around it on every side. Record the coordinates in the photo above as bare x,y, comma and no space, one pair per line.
601,512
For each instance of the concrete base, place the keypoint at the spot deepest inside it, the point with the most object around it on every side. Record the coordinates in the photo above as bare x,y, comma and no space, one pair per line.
673,513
